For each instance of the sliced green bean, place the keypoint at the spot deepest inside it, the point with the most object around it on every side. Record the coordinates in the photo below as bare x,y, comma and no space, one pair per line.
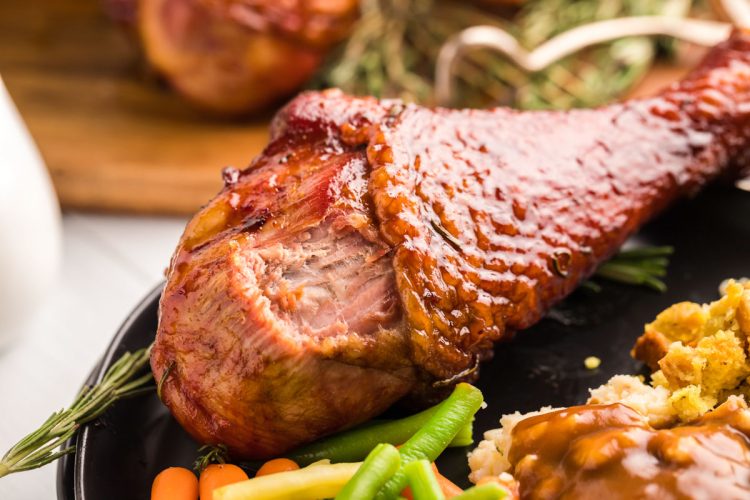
422,481
465,436
489,491
378,467
354,445
430,440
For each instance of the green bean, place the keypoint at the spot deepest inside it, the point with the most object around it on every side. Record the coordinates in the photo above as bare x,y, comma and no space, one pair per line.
422,481
488,491
430,441
378,467
354,445
465,436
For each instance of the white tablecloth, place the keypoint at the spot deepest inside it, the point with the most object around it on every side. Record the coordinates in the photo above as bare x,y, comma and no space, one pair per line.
109,264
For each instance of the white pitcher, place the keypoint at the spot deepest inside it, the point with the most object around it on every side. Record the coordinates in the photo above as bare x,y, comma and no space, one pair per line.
30,229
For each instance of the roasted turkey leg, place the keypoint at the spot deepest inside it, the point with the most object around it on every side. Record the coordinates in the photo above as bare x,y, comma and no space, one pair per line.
376,250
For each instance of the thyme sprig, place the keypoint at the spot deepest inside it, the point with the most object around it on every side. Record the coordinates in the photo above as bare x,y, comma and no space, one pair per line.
43,446
210,454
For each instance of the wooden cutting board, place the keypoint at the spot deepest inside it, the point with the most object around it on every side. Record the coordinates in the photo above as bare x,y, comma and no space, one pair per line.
112,136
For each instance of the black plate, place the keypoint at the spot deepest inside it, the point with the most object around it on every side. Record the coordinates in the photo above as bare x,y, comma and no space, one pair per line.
118,457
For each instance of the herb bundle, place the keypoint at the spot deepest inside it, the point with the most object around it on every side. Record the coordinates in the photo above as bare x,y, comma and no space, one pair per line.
392,51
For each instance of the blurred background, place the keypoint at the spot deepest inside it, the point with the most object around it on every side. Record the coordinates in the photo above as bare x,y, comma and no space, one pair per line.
120,115
137,104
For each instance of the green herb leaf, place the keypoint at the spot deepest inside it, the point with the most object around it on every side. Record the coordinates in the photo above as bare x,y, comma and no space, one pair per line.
393,48
210,454
41,446
641,266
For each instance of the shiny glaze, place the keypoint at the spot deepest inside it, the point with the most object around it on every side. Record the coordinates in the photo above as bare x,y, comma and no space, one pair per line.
533,201
610,451
447,230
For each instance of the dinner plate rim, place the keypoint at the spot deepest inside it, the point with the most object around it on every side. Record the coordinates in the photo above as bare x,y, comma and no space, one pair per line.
695,284
71,475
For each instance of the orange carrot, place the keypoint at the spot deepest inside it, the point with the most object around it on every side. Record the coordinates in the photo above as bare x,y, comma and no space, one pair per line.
277,465
450,489
175,483
218,475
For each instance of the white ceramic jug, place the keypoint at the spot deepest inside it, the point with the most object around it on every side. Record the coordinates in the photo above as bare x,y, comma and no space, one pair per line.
30,230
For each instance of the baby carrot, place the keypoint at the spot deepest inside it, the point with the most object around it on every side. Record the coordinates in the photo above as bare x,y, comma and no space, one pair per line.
277,465
175,483
450,489
218,475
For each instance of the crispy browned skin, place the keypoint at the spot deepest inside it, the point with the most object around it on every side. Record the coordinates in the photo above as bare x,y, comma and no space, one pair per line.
376,249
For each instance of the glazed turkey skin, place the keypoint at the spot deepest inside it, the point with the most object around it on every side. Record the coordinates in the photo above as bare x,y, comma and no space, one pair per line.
375,250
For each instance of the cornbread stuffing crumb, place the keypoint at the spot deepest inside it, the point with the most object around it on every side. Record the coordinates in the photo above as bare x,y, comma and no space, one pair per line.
592,363
700,355
724,284
706,356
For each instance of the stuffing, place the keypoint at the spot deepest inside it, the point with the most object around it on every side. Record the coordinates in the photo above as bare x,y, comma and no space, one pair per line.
699,357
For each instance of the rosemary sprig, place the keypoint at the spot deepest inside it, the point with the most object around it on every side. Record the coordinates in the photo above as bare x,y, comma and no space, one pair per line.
42,446
640,266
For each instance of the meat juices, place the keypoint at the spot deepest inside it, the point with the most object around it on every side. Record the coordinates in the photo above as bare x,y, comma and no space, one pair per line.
376,250
610,451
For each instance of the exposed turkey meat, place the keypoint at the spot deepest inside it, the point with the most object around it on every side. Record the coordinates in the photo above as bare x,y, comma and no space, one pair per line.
376,250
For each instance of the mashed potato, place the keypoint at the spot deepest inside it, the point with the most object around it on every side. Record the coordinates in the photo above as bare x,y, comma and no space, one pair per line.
700,356
652,402
490,458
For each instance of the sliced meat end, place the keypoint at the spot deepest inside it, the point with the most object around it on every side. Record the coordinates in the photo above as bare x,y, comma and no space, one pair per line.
282,334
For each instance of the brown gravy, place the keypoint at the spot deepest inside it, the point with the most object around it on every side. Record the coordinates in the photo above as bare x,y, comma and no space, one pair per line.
611,452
